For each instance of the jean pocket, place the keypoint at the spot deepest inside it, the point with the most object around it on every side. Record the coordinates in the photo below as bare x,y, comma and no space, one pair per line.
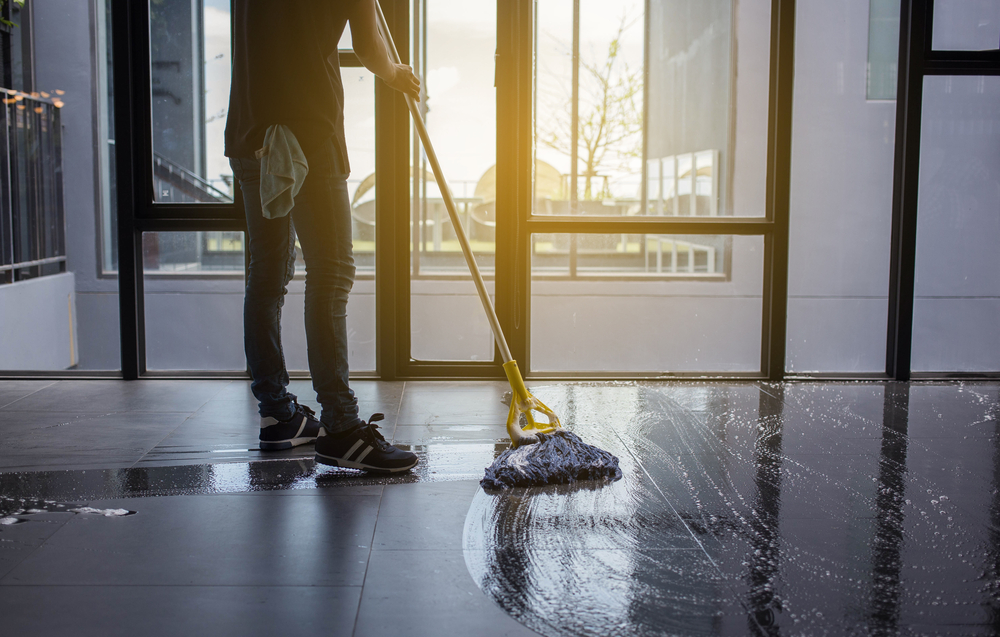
245,169
237,167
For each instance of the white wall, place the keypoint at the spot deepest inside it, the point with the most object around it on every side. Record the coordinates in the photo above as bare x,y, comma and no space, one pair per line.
38,324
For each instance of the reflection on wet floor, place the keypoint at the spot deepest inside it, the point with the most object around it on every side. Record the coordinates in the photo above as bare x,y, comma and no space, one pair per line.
782,509
745,508
438,461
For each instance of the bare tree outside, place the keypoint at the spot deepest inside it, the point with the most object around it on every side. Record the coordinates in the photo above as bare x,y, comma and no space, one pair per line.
610,116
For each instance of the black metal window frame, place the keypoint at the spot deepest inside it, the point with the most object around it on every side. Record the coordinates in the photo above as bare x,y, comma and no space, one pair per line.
917,59
138,213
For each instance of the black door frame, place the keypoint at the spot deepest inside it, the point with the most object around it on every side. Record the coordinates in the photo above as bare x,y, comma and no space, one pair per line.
916,60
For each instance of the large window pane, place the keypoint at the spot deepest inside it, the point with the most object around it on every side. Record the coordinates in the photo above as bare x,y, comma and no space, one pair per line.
957,288
190,69
646,303
702,132
56,313
454,53
966,25
841,193
193,285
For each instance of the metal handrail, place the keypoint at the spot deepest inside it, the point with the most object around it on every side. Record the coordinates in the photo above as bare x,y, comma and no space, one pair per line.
32,219
186,181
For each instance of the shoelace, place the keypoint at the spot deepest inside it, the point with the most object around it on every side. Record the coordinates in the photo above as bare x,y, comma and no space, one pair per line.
304,409
376,438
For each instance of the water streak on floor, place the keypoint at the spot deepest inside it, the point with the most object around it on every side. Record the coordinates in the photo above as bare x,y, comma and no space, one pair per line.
745,508
445,460
765,511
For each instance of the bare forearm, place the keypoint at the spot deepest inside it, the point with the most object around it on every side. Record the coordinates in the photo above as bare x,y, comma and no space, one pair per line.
368,43
373,51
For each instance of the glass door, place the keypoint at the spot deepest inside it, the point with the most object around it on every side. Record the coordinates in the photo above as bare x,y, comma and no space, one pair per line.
453,47
649,146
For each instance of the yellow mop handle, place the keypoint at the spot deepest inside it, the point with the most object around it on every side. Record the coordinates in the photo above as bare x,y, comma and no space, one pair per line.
449,201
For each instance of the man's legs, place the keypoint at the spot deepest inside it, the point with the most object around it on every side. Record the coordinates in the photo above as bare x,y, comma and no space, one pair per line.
322,218
283,422
272,264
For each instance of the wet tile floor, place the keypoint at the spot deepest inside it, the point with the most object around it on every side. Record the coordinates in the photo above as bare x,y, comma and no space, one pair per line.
745,509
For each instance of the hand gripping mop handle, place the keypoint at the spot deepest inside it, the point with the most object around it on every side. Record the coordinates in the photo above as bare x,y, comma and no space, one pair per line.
521,402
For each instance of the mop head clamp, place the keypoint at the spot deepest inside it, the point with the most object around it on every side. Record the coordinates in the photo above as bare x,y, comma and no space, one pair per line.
558,458
522,404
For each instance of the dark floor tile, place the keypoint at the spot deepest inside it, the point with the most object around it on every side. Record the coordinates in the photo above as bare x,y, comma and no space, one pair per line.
387,393
429,434
953,410
107,396
423,515
954,630
719,490
678,419
855,575
226,415
69,461
299,476
236,409
13,390
179,610
433,403
25,433
34,528
974,454
817,516
179,456
708,398
340,490
850,409
11,555
210,540
609,592
29,529
462,460
806,577
968,485
428,592
629,514
235,391
379,391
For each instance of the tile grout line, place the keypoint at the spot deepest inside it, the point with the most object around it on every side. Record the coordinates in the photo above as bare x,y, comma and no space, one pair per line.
399,409
36,549
29,394
190,414
160,441
371,547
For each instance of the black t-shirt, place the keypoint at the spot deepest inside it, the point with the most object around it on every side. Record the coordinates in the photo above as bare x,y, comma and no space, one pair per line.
286,71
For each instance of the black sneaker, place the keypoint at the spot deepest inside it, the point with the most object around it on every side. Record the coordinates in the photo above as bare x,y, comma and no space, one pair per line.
301,429
364,448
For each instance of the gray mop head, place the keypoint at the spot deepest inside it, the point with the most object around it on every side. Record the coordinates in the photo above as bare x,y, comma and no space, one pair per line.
557,458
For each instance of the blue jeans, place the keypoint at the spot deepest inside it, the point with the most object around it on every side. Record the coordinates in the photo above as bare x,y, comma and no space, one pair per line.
322,220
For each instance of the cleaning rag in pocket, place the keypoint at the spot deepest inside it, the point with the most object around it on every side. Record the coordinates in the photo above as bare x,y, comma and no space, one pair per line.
283,168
